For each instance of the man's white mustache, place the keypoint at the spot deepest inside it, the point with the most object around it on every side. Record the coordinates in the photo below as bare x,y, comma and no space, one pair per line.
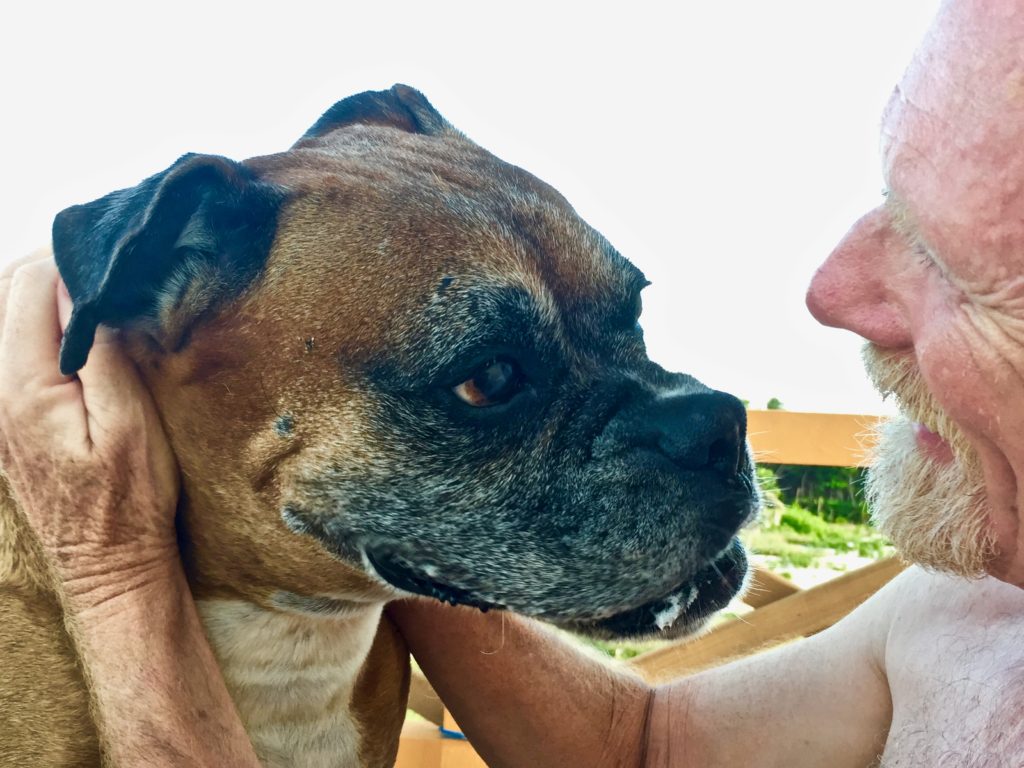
936,514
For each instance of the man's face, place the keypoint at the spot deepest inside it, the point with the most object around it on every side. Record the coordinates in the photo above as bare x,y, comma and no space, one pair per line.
934,280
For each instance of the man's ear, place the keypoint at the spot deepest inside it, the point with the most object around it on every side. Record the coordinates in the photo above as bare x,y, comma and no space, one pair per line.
163,253
398,107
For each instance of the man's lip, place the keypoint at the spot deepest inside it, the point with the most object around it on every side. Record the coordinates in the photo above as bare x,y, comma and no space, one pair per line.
932,445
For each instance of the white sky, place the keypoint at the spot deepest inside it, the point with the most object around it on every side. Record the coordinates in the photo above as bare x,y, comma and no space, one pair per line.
724,147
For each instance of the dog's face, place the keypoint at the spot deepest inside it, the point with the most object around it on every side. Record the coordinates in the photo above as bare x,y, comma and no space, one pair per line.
387,359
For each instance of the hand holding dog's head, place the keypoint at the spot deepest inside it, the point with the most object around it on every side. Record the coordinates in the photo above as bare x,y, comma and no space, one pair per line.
386,354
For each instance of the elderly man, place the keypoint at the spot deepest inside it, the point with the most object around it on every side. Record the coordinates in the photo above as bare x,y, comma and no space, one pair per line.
929,672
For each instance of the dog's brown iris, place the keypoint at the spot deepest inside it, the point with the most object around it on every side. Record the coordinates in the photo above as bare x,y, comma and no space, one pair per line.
495,383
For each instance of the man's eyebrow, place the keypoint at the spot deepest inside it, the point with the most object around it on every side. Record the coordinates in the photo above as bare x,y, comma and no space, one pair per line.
905,225
903,221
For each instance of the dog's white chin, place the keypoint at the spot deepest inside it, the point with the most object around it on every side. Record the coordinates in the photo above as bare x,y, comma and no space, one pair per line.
935,513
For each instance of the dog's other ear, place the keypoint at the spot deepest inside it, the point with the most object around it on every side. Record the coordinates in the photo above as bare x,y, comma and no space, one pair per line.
161,254
398,107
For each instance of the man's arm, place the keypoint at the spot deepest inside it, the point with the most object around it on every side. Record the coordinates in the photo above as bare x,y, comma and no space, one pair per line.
822,701
157,691
524,698
521,694
92,472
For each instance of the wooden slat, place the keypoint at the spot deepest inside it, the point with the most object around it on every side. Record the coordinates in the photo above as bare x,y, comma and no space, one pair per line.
798,615
421,746
423,700
765,588
459,753
816,439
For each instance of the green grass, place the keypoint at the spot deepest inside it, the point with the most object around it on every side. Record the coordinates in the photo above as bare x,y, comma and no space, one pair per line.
801,539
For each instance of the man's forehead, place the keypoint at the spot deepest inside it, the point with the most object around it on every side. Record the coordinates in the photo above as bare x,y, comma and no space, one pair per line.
964,87
953,131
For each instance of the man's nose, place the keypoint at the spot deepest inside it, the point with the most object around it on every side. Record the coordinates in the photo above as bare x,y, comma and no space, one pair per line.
856,288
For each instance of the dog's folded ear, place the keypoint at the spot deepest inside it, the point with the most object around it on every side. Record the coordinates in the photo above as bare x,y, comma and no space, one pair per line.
398,107
161,254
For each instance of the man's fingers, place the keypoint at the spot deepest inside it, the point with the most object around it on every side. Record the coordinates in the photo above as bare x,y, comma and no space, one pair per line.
40,254
32,390
7,271
64,305
114,395
30,338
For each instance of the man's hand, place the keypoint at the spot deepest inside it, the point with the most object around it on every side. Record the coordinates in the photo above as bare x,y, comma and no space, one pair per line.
92,471
91,443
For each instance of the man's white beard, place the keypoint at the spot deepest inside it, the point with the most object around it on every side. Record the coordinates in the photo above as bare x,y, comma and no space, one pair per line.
936,514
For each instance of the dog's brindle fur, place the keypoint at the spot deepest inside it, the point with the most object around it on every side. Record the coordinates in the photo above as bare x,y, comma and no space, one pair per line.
301,320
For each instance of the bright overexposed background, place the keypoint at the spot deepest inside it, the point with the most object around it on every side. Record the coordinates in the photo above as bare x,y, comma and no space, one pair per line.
723,147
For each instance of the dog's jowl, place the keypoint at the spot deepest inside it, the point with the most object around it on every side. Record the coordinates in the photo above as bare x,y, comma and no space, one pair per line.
388,363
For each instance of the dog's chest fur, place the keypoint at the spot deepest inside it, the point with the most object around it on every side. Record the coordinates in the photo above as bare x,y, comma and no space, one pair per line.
292,677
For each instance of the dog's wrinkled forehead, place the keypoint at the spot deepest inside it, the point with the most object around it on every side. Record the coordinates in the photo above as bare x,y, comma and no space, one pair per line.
377,203
447,247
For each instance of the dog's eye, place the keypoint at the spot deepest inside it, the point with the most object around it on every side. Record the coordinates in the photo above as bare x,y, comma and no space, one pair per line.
495,383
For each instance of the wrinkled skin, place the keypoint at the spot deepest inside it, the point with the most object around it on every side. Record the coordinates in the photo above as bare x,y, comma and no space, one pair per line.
936,273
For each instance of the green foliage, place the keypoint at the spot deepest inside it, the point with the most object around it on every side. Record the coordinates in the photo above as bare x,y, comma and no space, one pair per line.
834,493
818,532
803,540
800,538
767,480
776,543
876,548
774,404
620,649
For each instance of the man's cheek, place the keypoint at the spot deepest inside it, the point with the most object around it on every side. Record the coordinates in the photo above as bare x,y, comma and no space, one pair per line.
990,427
1002,484
949,356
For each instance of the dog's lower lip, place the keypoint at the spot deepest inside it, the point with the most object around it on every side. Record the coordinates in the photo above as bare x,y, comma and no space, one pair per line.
685,606
407,580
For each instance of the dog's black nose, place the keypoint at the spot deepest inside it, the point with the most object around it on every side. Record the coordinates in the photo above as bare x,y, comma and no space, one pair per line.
701,431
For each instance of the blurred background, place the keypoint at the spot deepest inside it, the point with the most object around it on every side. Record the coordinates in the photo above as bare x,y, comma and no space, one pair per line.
723,147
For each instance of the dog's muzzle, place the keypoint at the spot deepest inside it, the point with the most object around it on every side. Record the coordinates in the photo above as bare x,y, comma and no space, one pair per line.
682,610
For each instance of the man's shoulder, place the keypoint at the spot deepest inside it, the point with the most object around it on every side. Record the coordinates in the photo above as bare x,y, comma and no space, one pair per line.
926,596
953,662
919,610
941,628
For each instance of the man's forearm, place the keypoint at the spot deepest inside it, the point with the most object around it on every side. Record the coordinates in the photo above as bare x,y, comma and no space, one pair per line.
521,695
157,692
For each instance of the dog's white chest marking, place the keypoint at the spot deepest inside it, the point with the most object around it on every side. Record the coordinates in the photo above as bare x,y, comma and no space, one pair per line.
291,677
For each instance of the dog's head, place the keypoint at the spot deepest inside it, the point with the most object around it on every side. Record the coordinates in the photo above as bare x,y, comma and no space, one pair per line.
387,359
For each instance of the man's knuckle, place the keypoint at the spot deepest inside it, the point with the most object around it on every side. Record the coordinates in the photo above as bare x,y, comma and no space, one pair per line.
9,268
31,273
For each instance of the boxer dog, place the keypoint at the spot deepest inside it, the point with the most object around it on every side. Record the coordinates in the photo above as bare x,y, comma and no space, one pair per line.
388,363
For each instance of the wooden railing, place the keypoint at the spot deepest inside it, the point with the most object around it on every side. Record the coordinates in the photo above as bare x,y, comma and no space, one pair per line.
782,612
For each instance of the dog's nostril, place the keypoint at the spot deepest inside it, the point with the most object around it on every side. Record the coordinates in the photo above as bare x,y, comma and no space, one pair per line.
724,455
703,431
